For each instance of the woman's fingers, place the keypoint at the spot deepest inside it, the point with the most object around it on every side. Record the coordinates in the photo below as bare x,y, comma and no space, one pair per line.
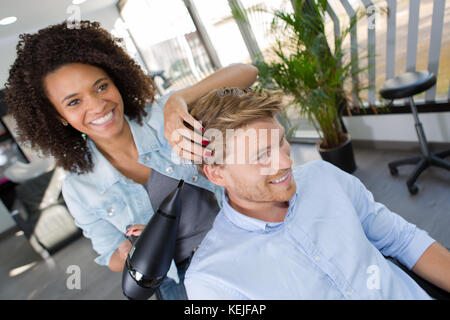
197,125
189,134
186,151
187,143
135,230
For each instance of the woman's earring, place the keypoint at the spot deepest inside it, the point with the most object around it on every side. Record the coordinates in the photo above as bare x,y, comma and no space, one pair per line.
65,123
83,135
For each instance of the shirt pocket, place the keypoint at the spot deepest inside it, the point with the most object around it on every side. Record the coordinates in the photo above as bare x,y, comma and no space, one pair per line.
116,212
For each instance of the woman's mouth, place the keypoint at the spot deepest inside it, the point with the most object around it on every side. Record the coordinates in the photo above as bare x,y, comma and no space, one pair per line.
105,120
282,180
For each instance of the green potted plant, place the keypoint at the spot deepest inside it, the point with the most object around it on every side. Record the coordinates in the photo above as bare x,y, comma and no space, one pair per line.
312,74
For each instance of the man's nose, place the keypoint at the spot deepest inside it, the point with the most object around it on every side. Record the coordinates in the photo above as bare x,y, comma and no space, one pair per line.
280,160
285,156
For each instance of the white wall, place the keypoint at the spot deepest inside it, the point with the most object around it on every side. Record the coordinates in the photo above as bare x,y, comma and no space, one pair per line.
399,127
107,17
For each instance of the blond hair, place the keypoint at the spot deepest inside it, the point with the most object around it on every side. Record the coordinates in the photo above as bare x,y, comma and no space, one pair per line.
233,108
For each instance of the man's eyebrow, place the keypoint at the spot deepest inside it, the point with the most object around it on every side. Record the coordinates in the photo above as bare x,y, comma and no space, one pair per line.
74,94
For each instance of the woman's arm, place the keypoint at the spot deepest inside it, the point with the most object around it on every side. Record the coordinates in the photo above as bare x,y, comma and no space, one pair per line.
176,109
236,75
117,260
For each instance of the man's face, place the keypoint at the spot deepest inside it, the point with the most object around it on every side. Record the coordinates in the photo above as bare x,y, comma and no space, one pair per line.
258,164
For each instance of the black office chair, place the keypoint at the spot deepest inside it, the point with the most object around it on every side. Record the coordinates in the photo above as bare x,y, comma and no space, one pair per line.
406,86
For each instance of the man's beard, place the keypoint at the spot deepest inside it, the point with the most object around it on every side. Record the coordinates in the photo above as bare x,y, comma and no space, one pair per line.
265,192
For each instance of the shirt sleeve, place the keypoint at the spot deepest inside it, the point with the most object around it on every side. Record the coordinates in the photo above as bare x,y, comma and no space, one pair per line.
391,234
104,236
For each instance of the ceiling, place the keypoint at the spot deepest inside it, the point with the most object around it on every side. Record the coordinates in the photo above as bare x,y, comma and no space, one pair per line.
35,14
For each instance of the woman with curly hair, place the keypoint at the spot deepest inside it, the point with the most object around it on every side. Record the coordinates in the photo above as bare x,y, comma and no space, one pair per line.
77,96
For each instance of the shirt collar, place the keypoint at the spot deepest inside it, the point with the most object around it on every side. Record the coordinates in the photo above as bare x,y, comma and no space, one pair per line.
145,142
248,223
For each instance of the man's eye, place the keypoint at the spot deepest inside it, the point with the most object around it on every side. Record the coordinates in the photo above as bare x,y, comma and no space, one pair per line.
263,155
73,102
102,87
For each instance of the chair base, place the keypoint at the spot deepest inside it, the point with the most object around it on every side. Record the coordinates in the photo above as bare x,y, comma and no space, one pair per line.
422,162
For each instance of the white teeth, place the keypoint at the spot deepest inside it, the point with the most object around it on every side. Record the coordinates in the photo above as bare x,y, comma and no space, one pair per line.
281,179
104,119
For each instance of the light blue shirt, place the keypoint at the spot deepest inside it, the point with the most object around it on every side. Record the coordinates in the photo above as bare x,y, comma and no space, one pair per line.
104,202
329,246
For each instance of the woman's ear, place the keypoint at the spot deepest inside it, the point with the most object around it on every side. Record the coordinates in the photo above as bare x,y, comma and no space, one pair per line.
62,120
214,173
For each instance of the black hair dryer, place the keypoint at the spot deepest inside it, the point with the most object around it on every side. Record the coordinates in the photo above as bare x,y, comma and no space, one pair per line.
150,256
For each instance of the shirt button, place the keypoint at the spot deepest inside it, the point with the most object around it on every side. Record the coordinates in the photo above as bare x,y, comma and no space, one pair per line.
169,170
110,211
146,158
317,258
194,178
349,293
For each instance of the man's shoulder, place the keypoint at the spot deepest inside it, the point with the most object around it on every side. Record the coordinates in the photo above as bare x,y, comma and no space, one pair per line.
221,236
316,166
215,236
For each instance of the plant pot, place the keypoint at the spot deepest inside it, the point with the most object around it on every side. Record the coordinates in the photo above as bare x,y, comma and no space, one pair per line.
341,156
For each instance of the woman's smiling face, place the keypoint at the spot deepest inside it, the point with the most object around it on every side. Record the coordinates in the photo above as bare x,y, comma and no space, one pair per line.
86,97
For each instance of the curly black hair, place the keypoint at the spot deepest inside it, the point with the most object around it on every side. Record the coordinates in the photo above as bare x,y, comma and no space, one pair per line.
44,52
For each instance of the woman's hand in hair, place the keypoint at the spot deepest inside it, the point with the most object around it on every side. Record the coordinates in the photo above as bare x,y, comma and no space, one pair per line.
187,143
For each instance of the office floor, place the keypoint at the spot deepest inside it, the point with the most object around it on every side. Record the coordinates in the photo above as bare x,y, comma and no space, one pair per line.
24,275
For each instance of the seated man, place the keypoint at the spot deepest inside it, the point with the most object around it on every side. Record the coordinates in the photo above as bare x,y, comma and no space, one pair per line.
310,232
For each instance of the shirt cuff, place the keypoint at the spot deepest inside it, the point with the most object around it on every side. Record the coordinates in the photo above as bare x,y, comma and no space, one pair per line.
419,243
104,259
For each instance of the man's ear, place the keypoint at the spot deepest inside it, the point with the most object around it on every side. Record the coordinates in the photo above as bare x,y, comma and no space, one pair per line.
214,173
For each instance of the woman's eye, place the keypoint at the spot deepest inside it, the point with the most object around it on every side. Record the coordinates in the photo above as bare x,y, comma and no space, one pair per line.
102,87
73,102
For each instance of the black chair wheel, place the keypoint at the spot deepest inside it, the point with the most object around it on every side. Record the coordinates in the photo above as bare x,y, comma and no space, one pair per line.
393,170
413,189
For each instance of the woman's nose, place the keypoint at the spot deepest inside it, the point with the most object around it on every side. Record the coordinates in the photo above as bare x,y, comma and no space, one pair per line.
96,104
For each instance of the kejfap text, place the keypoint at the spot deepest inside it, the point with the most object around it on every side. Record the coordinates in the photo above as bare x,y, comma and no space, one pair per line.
233,309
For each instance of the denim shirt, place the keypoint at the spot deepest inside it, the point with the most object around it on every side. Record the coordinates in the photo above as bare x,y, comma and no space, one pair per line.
104,202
